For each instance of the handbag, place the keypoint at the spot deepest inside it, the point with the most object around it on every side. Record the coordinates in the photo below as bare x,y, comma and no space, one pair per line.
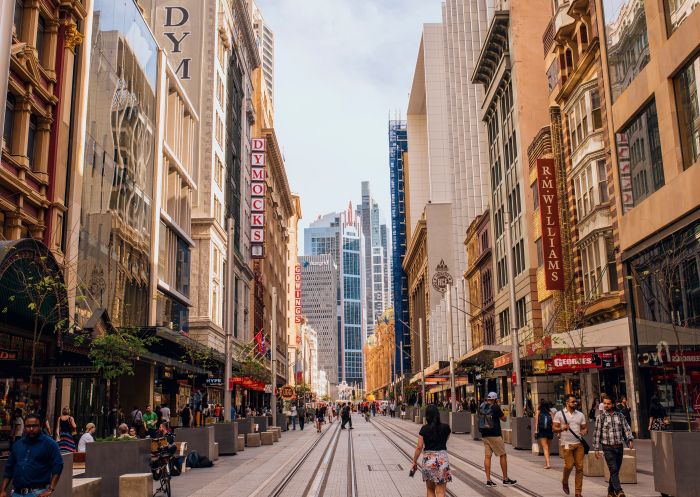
584,443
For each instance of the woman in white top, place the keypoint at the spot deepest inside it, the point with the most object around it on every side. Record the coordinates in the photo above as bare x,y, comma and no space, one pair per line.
293,411
87,437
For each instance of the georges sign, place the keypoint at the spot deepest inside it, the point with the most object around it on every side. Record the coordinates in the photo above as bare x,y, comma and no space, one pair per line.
257,198
551,230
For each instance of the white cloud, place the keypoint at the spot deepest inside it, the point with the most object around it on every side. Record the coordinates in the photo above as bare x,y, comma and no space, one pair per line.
340,67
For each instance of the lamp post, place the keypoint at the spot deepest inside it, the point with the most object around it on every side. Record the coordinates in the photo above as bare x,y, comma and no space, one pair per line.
422,366
273,357
451,349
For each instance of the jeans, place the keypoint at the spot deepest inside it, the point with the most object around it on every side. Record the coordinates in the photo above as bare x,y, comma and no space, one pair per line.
301,422
613,458
35,493
574,457
294,422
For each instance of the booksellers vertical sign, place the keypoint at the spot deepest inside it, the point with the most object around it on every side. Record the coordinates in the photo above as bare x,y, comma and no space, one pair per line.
551,230
257,198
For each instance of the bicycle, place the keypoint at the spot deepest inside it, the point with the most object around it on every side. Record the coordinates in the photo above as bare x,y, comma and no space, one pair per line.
161,456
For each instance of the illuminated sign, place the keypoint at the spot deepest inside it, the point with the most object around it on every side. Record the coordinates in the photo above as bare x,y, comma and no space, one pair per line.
257,200
551,230
297,293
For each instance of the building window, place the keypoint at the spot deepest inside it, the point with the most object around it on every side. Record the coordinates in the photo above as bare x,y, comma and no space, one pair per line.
639,158
518,255
686,84
219,174
677,11
31,139
504,323
17,21
590,188
521,313
603,195
627,42
535,195
40,39
599,267
584,118
538,249
9,119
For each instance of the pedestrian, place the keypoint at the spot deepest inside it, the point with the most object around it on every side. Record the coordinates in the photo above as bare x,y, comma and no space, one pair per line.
165,415
472,405
17,426
87,437
403,410
293,411
302,416
121,417
346,417
374,409
658,418
112,421
123,432
137,421
34,465
432,442
319,418
623,407
544,434
571,426
490,417
66,431
132,433
611,435
217,411
150,420
186,416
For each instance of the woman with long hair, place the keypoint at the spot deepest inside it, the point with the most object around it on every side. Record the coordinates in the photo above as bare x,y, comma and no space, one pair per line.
432,442
658,420
545,433
66,431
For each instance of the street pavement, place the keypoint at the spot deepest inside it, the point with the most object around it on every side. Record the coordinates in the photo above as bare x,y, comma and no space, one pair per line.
380,466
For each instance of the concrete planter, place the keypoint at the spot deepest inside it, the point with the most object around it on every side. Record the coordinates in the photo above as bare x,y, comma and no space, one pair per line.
460,422
65,484
521,437
245,425
445,417
226,435
674,455
283,421
201,439
476,434
110,460
261,421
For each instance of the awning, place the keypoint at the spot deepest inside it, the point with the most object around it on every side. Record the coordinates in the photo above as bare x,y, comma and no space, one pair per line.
483,355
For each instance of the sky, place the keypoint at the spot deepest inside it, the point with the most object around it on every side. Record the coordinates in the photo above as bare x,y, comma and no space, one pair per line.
341,68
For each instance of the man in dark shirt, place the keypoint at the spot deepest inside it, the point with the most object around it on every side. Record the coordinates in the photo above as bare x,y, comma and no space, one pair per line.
35,463
490,417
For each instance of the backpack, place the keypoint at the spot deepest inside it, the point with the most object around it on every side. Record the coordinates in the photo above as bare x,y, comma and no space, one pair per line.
486,417
544,422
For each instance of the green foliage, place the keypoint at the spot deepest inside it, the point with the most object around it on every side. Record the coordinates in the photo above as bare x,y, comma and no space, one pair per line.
196,355
255,369
114,354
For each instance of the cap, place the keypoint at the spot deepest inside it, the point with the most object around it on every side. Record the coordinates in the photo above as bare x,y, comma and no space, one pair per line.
492,396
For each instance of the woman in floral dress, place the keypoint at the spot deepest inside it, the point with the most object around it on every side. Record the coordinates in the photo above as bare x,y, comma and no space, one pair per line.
432,442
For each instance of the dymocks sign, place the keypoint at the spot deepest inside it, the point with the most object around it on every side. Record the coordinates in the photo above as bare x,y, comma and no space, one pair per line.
551,230
257,198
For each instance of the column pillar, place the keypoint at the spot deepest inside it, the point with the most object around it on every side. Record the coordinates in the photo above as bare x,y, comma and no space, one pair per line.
40,166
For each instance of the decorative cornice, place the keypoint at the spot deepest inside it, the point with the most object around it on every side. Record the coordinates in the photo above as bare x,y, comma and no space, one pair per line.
71,36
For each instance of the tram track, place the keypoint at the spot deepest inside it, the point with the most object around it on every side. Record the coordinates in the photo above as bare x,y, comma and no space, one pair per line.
467,478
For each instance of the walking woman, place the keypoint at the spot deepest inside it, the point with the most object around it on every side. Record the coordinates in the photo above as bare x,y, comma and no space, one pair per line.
66,431
658,418
432,441
544,434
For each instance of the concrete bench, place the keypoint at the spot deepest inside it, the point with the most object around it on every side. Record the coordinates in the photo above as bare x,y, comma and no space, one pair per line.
240,443
278,430
275,435
252,440
266,438
592,466
87,487
136,485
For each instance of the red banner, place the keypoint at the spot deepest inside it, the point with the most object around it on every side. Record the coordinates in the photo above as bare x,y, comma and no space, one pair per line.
551,230
503,360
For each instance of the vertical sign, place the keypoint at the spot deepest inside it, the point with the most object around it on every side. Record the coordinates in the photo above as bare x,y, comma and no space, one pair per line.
257,200
551,230
623,161
297,294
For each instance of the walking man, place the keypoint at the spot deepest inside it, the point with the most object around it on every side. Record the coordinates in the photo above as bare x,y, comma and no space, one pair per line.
294,416
301,412
571,425
490,417
611,435
35,464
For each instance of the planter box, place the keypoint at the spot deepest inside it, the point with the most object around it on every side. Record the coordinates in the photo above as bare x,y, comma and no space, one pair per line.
445,417
201,439
476,434
521,436
110,460
261,421
283,421
245,426
226,435
674,455
460,422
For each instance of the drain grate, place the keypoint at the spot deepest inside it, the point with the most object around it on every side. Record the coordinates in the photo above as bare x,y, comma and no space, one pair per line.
384,467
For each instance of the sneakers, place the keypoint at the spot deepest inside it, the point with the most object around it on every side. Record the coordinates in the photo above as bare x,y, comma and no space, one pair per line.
508,481
489,483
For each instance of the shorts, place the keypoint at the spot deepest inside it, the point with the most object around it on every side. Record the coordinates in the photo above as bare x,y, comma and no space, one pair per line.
494,445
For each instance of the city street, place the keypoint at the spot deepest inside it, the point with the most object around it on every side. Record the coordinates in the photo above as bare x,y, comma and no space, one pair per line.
373,460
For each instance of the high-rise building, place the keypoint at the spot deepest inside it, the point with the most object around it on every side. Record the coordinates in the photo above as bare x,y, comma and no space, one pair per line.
375,257
398,150
266,45
319,307
340,235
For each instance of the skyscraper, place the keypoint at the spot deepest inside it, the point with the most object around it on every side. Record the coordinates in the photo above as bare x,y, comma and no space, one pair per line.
340,235
319,305
398,148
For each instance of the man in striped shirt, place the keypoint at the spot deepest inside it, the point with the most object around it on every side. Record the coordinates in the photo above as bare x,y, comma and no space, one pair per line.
612,433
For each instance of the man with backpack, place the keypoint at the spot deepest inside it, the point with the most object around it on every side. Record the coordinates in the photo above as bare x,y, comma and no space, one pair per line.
490,417
571,425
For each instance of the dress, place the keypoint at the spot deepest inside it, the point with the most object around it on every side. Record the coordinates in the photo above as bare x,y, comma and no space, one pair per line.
435,463
66,442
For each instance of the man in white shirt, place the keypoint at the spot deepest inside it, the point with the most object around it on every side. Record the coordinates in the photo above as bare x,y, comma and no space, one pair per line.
165,415
565,422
